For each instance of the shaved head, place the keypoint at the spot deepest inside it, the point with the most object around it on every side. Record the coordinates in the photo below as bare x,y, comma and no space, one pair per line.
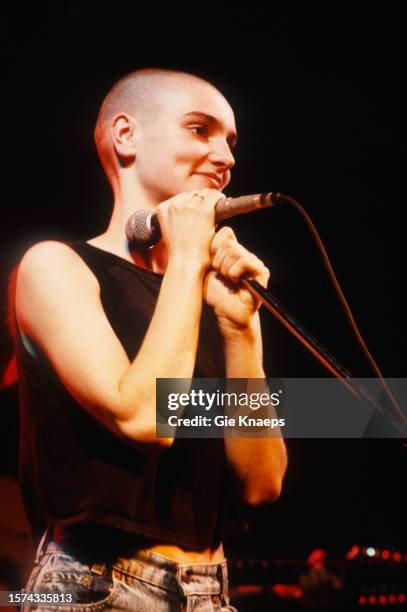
142,95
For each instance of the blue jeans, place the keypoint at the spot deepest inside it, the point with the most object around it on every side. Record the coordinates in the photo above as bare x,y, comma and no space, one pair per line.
146,582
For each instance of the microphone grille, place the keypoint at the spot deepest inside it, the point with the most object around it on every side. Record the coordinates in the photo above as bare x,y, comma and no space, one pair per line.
139,229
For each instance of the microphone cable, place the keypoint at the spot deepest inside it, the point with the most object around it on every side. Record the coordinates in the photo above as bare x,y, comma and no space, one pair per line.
342,299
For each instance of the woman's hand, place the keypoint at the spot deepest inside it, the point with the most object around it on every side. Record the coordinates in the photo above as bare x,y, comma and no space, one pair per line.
187,223
234,305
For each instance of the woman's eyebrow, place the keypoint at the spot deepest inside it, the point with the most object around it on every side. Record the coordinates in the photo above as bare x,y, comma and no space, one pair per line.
211,119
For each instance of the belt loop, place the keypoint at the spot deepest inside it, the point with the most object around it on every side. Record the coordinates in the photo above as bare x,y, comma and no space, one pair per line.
42,545
180,578
223,579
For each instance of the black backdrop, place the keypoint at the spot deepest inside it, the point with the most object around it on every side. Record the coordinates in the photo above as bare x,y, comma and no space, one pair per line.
320,106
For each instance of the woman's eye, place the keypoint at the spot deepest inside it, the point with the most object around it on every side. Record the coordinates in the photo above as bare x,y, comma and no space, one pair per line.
200,129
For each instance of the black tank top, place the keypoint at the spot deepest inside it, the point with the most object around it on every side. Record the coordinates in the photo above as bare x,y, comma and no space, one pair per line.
73,470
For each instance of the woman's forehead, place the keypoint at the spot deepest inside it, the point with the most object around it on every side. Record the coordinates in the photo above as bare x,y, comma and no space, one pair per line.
197,98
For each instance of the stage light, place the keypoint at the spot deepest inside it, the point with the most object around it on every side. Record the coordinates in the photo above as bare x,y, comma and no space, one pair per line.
353,552
396,557
372,599
386,555
362,600
370,552
382,599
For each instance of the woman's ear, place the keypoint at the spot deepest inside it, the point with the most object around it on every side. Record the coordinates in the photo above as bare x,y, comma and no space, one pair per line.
124,136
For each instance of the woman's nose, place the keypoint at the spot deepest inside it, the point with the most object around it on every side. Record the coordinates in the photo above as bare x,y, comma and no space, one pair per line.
221,155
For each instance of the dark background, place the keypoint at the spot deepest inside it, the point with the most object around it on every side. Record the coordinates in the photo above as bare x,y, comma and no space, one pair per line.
320,103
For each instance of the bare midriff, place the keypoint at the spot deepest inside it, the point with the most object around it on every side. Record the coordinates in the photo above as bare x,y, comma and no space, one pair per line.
208,555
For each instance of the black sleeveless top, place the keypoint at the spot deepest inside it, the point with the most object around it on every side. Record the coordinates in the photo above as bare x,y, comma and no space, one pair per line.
73,470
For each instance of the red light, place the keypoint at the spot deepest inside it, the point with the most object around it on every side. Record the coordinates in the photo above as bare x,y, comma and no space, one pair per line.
362,600
382,599
250,589
386,555
401,598
282,590
353,552
396,557
392,599
372,599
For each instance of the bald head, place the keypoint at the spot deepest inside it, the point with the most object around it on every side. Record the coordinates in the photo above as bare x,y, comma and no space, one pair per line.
142,95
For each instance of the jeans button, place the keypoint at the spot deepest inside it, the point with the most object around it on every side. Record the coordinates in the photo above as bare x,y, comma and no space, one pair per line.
215,599
86,580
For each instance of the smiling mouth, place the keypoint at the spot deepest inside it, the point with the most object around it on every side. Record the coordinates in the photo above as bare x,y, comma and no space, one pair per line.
216,181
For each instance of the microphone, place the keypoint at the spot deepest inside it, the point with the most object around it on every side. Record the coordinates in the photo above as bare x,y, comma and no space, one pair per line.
143,229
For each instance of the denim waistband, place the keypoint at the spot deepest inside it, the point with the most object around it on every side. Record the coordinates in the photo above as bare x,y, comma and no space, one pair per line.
192,578
156,569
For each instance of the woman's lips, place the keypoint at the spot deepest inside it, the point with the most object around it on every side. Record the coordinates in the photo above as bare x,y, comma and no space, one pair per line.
215,180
